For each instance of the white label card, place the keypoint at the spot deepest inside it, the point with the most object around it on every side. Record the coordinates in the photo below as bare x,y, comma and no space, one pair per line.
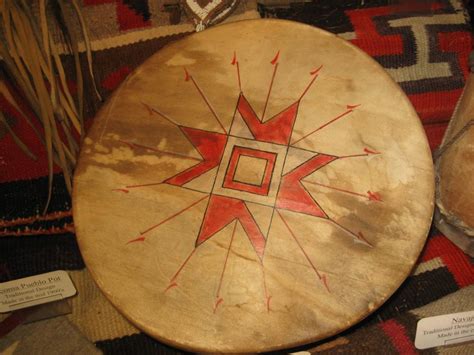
35,290
447,329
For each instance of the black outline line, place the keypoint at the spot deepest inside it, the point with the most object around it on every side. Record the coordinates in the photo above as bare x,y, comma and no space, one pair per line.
267,121
245,123
235,219
272,81
203,159
255,150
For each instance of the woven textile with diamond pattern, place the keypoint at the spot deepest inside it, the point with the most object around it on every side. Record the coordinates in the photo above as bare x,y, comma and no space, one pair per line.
424,45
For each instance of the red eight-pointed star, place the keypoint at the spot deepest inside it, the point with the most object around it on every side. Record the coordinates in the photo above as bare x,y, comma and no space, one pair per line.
266,148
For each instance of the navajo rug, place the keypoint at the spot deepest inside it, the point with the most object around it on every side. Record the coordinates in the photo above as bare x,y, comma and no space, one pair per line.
423,44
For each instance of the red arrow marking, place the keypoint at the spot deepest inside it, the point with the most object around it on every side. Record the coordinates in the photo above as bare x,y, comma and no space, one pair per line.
374,196
266,295
217,304
121,190
152,110
223,210
144,185
135,145
210,146
360,237
350,109
275,130
366,154
353,156
336,189
316,71
323,280
236,63
218,297
186,75
275,60
315,75
172,285
275,68
141,238
203,96
292,194
173,282
368,151
370,195
269,298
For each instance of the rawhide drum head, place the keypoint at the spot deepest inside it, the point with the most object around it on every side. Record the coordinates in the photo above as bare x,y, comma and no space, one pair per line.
255,186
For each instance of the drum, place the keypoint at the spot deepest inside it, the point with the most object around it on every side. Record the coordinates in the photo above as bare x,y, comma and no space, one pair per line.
252,187
454,173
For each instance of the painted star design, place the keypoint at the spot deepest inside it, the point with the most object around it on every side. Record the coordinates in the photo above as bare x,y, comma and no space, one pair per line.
279,164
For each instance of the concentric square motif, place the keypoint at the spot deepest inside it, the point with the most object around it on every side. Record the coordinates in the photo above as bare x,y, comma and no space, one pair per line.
250,171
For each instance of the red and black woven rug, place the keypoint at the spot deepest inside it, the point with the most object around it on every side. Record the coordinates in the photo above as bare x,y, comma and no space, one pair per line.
424,45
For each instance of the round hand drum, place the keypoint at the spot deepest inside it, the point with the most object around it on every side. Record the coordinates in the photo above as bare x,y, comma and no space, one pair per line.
256,186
